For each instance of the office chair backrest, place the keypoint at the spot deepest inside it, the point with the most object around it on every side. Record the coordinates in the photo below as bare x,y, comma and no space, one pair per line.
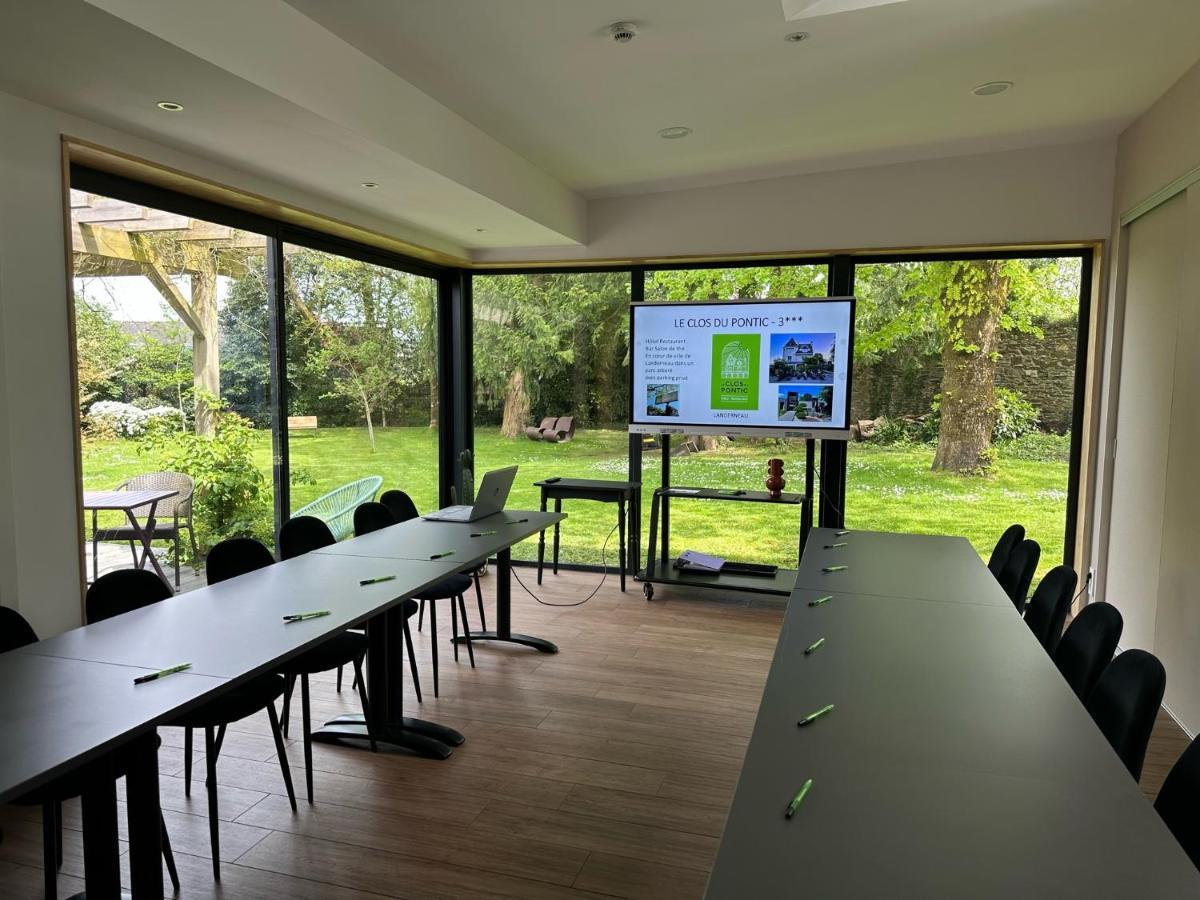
14,630
236,556
123,591
1049,605
372,516
1178,802
1012,536
1018,572
400,504
1125,703
1088,646
303,534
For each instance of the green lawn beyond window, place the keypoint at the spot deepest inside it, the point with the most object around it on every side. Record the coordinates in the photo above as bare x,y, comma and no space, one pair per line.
888,488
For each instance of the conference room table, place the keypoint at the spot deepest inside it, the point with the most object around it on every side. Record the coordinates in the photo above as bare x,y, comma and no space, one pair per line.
956,761
70,702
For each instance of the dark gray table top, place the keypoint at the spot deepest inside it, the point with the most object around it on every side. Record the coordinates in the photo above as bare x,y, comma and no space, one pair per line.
418,539
58,713
957,763
590,484
235,629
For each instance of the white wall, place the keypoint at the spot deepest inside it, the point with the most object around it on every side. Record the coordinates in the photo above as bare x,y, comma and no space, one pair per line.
1045,194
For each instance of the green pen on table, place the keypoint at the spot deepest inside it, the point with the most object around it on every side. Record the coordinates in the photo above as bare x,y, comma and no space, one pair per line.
820,600
815,645
812,717
300,617
797,800
839,544
829,569
481,533
442,555
161,673
378,580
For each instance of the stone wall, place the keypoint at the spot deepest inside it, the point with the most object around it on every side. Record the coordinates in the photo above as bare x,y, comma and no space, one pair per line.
905,381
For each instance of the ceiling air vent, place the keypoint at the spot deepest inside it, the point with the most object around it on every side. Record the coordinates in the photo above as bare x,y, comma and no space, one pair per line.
623,32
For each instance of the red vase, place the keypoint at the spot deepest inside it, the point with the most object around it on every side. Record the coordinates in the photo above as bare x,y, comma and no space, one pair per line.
775,481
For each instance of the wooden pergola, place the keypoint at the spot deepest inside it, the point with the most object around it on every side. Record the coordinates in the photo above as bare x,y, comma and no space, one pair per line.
113,238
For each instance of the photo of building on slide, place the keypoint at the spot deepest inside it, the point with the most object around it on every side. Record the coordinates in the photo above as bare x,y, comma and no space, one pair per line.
802,357
805,403
662,400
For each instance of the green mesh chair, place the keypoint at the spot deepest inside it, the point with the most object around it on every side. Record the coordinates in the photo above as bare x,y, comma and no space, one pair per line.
336,509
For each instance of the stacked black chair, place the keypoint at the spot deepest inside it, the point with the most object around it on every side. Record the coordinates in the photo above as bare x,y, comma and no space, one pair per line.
16,632
1018,571
1178,802
373,516
1012,536
1125,703
129,589
1088,646
404,509
298,536
1050,604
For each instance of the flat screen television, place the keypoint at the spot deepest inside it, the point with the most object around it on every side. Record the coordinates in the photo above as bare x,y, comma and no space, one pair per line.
765,368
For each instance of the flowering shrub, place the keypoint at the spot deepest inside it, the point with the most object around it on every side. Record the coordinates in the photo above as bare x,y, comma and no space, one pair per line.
126,420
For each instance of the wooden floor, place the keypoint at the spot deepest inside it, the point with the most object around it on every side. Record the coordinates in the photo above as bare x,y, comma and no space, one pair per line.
605,770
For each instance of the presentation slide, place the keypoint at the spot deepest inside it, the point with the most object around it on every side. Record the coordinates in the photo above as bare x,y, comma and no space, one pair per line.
778,366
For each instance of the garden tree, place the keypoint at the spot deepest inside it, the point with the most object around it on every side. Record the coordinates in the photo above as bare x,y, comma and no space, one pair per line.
543,331
160,366
103,353
959,308
738,283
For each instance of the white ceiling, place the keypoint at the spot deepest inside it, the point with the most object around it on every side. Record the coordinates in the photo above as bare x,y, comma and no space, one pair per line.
505,115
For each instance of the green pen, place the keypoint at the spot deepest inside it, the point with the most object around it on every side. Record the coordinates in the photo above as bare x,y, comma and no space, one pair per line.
835,546
828,569
820,600
300,617
378,580
797,800
840,533
815,645
442,555
812,717
481,533
161,673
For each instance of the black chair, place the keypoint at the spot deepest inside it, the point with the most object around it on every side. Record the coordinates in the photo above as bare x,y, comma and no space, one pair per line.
236,556
1178,802
373,516
1049,605
404,509
1012,536
128,589
1018,572
16,632
1125,703
298,536
1088,646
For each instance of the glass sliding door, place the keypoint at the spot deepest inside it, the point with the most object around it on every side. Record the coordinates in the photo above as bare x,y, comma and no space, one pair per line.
964,398
552,391
362,389
171,347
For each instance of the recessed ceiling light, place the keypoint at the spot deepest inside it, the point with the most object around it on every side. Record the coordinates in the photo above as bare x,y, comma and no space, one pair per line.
170,106
371,185
990,88
674,133
796,37
481,230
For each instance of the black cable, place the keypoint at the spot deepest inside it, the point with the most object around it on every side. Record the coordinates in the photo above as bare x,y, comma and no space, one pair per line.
603,575
821,493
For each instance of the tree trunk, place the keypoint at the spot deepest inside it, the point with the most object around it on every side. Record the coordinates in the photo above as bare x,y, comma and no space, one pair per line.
433,403
974,300
206,357
516,405
370,425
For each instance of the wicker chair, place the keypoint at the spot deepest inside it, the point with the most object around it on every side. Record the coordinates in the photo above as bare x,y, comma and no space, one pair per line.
170,517
336,509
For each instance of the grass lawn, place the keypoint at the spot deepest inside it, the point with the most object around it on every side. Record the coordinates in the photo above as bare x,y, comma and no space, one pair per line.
888,488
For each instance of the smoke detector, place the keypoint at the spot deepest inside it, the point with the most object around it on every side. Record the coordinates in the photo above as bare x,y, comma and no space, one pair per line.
622,32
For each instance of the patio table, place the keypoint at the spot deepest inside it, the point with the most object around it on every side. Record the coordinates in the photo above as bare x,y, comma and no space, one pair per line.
127,502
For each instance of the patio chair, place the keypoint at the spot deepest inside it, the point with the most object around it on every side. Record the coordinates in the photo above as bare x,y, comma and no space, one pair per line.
558,431
336,509
534,433
170,518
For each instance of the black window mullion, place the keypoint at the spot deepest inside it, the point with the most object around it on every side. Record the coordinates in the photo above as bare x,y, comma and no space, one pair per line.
277,353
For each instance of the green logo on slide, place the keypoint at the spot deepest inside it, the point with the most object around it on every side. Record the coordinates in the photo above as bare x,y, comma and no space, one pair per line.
735,371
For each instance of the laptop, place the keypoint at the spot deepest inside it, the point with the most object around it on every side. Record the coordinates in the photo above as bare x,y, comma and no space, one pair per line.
492,495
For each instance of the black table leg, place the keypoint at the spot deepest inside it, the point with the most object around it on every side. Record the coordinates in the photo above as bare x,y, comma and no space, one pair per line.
557,509
145,818
542,540
621,535
101,851
503,630
385,690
